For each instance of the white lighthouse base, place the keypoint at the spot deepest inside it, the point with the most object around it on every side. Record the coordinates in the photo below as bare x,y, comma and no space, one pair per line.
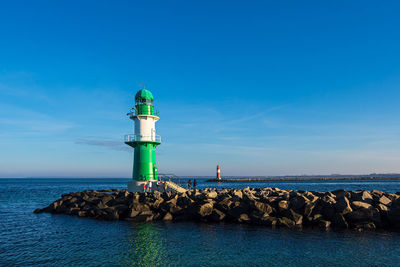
137,186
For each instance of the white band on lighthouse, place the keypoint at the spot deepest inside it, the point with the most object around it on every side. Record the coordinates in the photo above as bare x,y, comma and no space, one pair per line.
145,129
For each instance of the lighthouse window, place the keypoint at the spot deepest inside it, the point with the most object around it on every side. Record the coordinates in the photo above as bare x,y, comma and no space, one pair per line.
146,101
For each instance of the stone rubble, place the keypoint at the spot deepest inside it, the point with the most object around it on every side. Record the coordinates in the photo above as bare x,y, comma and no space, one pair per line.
358,210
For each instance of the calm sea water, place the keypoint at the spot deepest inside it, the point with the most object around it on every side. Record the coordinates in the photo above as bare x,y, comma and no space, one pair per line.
60,240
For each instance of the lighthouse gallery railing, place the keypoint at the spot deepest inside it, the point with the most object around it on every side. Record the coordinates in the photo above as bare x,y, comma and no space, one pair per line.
135,137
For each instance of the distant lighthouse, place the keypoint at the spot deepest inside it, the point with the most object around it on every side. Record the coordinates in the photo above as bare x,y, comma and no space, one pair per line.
218,172
144,141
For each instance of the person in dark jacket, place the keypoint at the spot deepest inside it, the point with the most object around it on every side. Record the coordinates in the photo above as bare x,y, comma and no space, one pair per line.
194,183
189,184
165,186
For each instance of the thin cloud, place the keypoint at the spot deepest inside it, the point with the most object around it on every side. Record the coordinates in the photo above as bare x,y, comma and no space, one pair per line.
114,145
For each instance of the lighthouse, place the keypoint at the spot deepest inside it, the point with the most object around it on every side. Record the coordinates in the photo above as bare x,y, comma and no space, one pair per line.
218,173
144,141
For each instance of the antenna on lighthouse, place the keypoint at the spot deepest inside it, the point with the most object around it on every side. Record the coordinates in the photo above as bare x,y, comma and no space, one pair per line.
143,85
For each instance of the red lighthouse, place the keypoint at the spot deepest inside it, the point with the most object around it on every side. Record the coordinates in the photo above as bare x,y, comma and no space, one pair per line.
218,172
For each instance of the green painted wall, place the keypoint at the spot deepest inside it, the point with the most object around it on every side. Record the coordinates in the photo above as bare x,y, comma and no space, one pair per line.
142,109
144,166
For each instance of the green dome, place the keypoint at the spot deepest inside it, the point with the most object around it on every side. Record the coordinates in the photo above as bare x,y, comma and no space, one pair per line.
144,94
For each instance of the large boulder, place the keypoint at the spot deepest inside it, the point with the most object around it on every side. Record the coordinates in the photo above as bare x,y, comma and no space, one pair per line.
262,207
340,193
204,210
237,209
327,204
363,216
394,214
342,205
237,194
211,194
360,205
297,203
224,204
362,196
283,205
384,200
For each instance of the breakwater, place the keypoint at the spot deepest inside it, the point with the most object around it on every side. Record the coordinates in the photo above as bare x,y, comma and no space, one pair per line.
282,179
359,210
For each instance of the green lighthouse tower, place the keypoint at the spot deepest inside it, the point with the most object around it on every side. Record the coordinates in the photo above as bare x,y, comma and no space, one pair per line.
144,141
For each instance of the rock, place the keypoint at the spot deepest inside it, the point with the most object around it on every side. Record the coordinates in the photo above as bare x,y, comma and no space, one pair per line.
363,216
309,208
341,193
382,207
295,217
211,195
327,204
168,217
339,221
145,216
157,203
244,218
392,197
111,216
175,210
323,224
38,211
133,213
342,205
360,210
377,193
360,205
262,207
286,222
283,205
205,210
225,204
394,214
384,200
362,196
316,218
237,208
269,221
364,226
297,203
82,213
238,194
217,215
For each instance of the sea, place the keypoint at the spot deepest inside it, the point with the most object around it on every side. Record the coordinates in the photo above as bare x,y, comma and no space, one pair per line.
28,239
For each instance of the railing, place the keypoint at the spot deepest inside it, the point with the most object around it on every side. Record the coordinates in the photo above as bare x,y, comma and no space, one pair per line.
133,113
135,137
175,187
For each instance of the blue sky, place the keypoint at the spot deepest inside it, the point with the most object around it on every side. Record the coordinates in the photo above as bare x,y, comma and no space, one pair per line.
260,87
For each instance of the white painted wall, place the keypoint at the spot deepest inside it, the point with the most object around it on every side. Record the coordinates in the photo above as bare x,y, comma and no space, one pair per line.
145,128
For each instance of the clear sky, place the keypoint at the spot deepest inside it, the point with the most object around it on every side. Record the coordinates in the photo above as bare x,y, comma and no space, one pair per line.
259,87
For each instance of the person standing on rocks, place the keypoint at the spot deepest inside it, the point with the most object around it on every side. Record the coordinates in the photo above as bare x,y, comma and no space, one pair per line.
144,188
150,186
194,183
158,184
189,184
165,186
